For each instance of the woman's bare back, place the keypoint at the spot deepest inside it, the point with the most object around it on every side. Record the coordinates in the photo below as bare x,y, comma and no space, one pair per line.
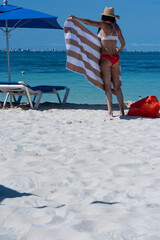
110,30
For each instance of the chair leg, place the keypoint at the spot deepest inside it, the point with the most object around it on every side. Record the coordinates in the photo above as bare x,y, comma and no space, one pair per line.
59,99
34,99
10,99
5,101
19,99
66,94
36,105
29,98
14,99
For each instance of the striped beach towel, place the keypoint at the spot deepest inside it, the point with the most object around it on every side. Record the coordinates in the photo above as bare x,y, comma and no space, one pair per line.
83,52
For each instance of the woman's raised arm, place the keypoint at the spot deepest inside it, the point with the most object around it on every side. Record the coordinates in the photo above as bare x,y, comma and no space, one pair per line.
99,24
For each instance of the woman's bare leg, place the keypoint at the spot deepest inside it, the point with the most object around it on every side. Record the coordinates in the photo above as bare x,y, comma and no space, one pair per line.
116,75
106,76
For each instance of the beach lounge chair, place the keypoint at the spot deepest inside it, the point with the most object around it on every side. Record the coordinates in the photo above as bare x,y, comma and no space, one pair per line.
22,89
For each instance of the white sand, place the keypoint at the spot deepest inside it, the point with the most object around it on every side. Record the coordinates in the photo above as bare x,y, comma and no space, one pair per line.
75,174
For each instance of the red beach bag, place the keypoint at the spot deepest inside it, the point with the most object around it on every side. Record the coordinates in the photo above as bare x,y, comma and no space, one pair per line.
146,107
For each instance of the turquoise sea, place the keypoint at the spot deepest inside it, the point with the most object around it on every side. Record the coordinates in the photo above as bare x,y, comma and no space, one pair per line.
140,75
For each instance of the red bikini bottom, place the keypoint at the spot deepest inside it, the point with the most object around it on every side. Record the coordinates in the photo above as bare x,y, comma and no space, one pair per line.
112,58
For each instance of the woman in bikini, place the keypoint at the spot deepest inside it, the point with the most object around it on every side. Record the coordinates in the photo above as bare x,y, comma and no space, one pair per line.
109,32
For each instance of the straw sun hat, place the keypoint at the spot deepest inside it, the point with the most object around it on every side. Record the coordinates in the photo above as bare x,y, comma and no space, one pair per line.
109,11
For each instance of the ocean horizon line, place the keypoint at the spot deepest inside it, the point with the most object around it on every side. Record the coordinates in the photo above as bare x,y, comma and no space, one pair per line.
64,50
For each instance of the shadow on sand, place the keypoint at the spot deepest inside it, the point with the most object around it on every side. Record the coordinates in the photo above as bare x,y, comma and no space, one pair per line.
126,117
74,106
101,202
50,105
10,193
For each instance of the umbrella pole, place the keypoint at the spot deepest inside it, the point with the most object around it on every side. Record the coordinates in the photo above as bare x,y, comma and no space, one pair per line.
8,57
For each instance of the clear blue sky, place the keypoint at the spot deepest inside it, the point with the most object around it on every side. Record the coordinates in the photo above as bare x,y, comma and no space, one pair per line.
139,22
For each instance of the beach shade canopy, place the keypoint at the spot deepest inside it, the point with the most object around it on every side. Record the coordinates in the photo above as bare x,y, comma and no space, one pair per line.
12,17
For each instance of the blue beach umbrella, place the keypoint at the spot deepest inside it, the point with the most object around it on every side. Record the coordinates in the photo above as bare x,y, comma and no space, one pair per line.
12,17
